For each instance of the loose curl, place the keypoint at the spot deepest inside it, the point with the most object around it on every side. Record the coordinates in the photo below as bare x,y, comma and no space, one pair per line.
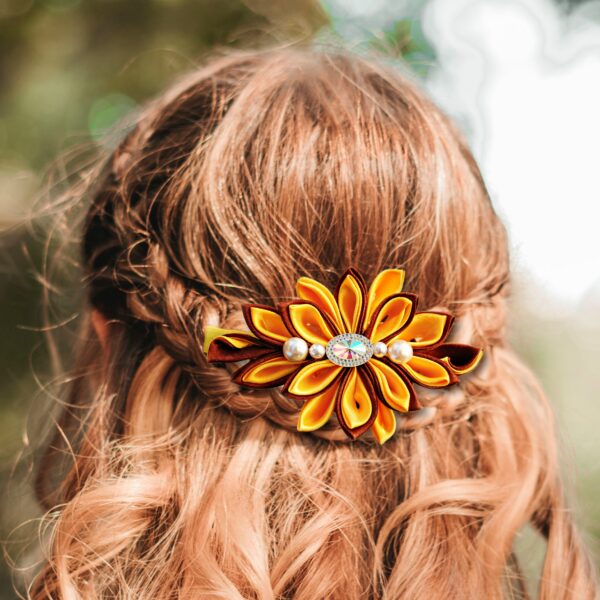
251,172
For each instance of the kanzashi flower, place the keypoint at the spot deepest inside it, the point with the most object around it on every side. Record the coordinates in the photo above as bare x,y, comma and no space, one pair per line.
355,351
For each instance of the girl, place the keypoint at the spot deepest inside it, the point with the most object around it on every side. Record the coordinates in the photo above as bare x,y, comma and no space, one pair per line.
171,476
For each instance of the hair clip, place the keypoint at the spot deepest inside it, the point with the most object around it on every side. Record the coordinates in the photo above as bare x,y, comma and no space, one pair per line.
357,351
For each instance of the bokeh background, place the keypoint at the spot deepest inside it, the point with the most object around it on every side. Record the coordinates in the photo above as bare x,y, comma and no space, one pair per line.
521,78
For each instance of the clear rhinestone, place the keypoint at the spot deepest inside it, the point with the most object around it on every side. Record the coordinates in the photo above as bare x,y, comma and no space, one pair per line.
349,350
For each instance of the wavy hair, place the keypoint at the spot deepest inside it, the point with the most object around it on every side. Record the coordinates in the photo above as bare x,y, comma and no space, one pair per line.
252,171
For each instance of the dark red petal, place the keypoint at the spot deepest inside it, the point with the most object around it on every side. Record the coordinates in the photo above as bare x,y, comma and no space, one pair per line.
460,356
221,351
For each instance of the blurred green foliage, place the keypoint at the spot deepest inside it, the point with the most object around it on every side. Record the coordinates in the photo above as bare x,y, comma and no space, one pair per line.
67,66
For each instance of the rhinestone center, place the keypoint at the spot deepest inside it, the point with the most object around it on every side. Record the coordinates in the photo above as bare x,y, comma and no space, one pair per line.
349,350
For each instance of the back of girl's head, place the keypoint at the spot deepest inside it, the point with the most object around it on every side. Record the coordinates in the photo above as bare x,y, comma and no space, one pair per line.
250,173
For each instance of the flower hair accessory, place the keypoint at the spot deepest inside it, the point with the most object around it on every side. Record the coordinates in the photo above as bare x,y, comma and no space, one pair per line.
357,351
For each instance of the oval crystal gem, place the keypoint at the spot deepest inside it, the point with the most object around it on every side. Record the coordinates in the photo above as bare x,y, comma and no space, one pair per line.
349,350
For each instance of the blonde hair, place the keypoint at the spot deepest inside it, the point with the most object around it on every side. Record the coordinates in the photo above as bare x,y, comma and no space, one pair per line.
253,171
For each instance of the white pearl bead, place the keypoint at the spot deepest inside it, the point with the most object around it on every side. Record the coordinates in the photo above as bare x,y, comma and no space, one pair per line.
317,351
380,349
400,351
295,349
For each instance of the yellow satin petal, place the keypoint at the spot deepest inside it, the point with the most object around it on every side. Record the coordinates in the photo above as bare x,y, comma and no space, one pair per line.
384,425
313,291
269,323
350,301
425,329
392,316
427,372
237,342
387,283
310,324
394,389
211,333
317,411
314,378
355,401
269,370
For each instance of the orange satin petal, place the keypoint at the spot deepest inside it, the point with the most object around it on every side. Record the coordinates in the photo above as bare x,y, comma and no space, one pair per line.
387,283
269,370
317,411
350,301
384,425
317,293
310,324
392,317
394,389
269,323
426,328
313,378
427,372
355,401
